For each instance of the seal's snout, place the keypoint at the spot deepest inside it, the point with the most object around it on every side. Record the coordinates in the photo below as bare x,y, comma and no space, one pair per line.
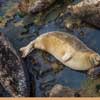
96,59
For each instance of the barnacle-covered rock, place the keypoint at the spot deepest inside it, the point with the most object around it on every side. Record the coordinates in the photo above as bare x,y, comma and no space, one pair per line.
88,11
12,72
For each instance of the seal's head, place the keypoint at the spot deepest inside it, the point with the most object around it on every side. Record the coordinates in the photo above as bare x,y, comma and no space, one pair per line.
95,62
95,59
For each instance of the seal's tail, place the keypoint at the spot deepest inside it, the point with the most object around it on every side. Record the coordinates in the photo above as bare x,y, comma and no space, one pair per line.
27,49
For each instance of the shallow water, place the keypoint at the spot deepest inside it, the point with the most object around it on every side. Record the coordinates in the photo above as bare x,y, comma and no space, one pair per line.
41,70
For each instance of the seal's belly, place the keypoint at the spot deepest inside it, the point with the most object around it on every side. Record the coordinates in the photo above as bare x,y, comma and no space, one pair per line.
59,49
76,65
79,62
65,51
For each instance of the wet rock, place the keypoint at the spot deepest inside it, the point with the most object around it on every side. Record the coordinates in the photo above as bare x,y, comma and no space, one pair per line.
34,6
91,88
98,88
94,73
88,11
1,2
45,79
71,22
61,91
3,93
13,76
8,13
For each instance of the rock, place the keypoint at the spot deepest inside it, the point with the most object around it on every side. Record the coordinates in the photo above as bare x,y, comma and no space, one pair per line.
34,6
94,73
91,88
13,76
88,11
61,91
71,23
1,2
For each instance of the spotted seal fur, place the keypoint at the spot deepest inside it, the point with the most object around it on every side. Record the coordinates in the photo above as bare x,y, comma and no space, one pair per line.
67,48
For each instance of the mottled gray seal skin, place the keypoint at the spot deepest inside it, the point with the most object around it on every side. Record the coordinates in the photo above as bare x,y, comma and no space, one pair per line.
65,47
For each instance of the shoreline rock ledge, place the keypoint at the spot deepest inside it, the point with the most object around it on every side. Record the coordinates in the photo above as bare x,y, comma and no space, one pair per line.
88,11
12,72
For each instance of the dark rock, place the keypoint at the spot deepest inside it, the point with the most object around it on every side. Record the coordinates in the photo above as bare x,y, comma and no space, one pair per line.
94,73
34,6
61,91
13,77
88,11
98,88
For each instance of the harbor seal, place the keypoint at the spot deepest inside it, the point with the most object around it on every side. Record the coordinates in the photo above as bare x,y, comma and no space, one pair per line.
67,48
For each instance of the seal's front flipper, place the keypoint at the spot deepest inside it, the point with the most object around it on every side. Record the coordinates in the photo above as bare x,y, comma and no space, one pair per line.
66,57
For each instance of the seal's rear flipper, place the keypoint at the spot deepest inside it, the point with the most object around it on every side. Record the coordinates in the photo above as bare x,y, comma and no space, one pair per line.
23,51
27,49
